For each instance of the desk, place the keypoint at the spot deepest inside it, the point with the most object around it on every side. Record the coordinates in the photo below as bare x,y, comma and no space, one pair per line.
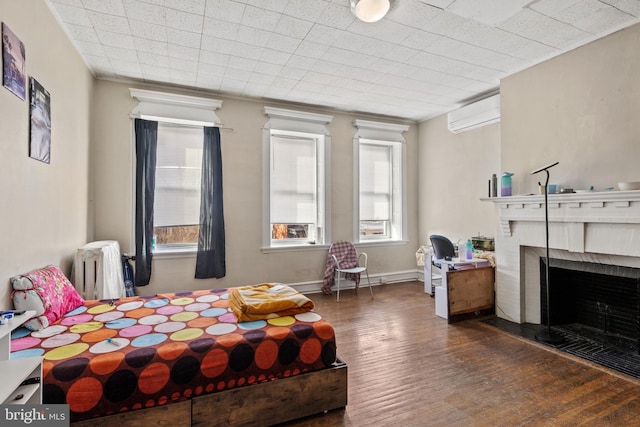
467,289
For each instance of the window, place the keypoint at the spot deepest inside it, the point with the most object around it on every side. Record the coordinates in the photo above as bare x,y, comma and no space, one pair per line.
380,205
294,192
177,194
180,139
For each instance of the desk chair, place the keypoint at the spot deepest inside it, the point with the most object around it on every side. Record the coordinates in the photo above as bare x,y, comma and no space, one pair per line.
443,250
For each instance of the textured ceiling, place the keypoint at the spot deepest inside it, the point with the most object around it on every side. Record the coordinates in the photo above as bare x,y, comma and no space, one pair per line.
425,58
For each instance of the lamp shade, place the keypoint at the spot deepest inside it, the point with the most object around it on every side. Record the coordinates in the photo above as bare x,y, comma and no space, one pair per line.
370,10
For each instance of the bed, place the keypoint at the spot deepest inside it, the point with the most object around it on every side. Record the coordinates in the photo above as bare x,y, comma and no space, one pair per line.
184,359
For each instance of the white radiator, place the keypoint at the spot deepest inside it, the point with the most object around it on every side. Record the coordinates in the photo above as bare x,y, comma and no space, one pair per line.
98,270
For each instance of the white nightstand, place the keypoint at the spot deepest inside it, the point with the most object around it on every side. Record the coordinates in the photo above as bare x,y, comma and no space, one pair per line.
15,372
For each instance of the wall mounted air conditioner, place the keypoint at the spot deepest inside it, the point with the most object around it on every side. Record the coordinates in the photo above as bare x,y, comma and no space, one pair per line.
475,115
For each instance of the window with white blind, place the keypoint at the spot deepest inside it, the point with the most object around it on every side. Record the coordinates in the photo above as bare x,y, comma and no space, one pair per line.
380,203
177,193
294,180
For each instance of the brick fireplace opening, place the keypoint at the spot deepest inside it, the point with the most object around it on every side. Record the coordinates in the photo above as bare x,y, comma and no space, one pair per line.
598,302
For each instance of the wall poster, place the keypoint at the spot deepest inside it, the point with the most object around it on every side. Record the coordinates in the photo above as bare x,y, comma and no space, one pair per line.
40,124
13,60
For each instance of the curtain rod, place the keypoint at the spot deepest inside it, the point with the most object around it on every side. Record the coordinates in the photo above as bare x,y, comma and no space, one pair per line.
181,122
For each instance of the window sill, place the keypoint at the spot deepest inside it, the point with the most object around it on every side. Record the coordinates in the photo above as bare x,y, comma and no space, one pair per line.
174,253
294,248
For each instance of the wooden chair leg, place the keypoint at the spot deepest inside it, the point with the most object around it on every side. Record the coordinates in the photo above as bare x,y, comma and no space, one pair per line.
338,283
370,288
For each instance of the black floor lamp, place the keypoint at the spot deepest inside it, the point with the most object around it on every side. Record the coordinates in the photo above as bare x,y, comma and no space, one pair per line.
547,335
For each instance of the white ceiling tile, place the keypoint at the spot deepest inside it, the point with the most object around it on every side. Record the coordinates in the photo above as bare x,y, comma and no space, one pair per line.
185,21
183,52
259,18
593,16
104,22
336,16
266,68
190,6
543,29
153,59
420,40
272,5
111,7
551,7
217,28
252,36
119,54
262,78
243,64
490,12
232,85
108,38
632,7
127,67
184,38
274,57
311,49
292,27
283,43
210,71
301,62
304,9
414,14
292,73
151,46
145,12
224,10
213,58
148,30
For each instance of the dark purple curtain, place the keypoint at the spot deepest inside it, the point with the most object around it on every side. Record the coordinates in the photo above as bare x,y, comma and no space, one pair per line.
210,260
146,148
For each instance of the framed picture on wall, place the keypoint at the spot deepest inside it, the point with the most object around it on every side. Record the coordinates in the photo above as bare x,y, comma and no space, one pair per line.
40,123
13,63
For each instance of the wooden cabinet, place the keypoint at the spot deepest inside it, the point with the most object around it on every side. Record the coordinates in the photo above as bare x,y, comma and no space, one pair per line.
21,378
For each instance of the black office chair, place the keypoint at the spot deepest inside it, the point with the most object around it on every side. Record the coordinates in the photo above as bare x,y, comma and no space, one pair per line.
442,248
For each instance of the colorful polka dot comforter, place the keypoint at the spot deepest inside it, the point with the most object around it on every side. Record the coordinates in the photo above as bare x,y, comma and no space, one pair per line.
111,356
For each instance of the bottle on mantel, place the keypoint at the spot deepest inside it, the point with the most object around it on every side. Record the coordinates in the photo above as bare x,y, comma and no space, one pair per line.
469,251
494,185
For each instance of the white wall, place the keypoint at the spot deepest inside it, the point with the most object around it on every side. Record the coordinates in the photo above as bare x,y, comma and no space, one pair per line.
580,109
242,160
454,170
44,215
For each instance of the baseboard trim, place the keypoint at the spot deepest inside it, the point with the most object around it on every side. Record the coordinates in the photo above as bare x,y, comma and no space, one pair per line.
314,287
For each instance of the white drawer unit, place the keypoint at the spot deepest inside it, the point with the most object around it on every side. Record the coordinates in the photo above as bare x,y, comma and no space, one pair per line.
21,378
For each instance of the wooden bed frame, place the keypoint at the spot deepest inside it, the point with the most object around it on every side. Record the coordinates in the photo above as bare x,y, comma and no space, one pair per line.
261,404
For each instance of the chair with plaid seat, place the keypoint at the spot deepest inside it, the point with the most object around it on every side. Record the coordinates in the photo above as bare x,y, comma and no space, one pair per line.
343,258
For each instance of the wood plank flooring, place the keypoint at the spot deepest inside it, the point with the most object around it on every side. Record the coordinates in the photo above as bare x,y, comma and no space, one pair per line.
408,367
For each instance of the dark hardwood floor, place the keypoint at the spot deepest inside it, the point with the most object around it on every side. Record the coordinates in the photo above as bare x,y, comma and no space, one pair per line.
408,367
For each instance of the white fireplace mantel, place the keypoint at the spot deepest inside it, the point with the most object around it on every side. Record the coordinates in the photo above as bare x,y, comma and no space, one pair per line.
597,226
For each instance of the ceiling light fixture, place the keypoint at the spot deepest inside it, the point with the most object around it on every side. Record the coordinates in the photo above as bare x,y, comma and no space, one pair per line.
369,10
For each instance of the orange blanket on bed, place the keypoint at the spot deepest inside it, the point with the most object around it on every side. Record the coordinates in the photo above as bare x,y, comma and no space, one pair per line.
266,301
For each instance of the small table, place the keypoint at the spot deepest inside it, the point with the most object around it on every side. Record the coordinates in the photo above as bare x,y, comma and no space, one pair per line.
467,288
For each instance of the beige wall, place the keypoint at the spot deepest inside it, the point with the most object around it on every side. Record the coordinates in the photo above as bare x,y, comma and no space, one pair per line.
44,215
242,154
454,170
580,109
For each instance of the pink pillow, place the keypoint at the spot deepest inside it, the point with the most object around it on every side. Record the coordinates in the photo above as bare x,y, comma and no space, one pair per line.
48,292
